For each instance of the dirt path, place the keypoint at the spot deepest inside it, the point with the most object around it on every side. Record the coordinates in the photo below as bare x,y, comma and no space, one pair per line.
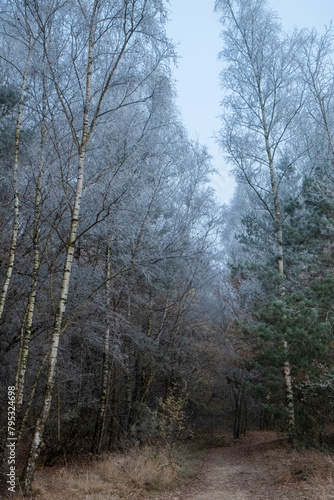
233,474
229,477
261,466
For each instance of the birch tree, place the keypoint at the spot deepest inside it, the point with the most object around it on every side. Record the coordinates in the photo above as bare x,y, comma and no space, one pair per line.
25,42
74,36
262,103
27,321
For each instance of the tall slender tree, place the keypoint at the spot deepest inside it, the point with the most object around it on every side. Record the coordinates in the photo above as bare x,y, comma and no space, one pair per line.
261,112
94,26
26,43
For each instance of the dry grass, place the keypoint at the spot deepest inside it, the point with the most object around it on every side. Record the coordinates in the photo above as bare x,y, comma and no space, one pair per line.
323,488
269,467
136,474
292,474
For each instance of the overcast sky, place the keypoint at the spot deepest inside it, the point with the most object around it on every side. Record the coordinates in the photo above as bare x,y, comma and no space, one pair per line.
195,27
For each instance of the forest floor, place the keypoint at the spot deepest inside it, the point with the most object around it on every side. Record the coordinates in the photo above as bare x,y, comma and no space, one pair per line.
262,466
259,466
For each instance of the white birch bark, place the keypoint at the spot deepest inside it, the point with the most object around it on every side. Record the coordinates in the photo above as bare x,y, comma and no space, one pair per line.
30,399
29,314
280,265
98,438
254,65
16,217
29,470
130,24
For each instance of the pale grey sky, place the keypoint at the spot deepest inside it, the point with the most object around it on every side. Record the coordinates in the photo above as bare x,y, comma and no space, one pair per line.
194,25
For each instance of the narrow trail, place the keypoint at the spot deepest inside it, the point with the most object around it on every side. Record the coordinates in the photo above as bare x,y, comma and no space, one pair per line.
261,466
233,474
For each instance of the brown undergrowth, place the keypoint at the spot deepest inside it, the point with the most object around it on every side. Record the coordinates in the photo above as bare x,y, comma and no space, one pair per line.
290,474
259,466
141,472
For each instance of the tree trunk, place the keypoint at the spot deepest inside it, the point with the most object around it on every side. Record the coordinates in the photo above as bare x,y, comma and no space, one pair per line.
280,266
100,424
31,398
289,395
29,469
16,217
114,419
29,313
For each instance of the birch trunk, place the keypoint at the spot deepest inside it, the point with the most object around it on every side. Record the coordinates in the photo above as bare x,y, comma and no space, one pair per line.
280,267
127,370
100,424
29,470
16,217
31,398
255,84
130,24
289,395
29,313
115,418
